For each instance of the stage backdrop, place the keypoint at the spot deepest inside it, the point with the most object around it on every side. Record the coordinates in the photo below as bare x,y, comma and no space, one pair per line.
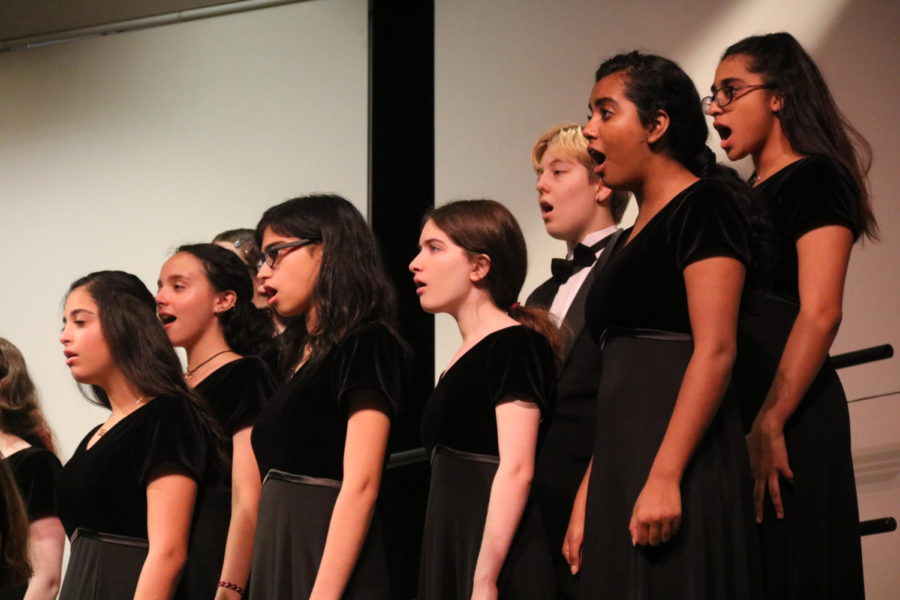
115,150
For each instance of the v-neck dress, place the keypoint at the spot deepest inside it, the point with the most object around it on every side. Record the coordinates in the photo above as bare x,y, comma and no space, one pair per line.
638,307
459,429
299,440
814,551
235,393
102,493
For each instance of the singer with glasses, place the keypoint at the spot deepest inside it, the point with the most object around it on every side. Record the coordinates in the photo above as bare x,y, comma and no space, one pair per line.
321,441
810,173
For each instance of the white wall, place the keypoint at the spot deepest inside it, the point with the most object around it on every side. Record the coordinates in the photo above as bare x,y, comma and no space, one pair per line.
508,69
115,150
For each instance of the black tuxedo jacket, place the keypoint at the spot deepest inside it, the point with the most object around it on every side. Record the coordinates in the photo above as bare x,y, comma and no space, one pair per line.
569,441
579,369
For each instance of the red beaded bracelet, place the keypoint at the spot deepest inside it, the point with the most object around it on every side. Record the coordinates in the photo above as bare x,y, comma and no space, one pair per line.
231,586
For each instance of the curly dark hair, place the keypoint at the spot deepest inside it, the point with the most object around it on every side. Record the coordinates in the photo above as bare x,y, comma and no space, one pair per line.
655,83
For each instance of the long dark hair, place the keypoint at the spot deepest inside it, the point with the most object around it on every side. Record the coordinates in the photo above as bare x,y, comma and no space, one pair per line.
810,118
352,287
247,329
137,341
20,412
487,227
654,83
14,565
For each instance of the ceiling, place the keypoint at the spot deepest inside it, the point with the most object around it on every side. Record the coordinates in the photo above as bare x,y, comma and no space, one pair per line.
32,18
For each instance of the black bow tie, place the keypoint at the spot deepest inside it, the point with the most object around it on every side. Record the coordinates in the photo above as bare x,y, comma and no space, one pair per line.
582,256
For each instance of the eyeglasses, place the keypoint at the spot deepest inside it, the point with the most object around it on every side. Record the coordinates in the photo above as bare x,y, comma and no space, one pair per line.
271,254
725,95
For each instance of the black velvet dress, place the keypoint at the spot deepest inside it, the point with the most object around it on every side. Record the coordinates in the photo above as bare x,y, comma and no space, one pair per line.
102,494
234,393
814,552
36,471
459,429
638,304
299,442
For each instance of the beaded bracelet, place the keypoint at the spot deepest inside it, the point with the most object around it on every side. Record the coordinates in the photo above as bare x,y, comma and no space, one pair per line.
231,586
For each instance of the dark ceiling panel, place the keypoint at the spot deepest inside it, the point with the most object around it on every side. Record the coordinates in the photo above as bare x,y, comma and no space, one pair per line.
29,18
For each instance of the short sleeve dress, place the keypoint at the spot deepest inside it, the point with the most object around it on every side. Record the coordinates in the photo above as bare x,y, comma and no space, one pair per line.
299,442
638,307
36,471
234,394
459,429
814,552
102,493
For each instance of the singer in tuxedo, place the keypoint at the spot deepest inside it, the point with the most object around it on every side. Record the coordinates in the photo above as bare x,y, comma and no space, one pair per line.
580,211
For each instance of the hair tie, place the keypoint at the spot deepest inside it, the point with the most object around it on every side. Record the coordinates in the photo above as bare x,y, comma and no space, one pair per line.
514,306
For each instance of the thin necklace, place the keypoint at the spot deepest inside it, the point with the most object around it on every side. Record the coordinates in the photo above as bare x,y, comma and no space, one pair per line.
757,178
106,428
190,372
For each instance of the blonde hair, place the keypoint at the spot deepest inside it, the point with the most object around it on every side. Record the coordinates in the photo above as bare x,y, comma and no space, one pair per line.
568,137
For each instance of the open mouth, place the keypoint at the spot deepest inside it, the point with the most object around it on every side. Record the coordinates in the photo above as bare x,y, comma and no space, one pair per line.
546,207
723,131
267,293
599,158
166,319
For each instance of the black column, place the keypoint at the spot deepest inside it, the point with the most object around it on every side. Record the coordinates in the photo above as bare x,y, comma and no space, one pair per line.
401,167
401,190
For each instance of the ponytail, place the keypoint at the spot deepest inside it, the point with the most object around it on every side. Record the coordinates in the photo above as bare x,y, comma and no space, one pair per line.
539,320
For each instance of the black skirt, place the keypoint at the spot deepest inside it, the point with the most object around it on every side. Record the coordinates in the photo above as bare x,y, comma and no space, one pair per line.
714,556
294,515
103,566
814,551
454,525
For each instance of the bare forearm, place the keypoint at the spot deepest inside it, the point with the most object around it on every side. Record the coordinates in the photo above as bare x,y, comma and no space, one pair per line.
509,494
159,576
42,586
347,532
804,353
238,548
705,381
46,539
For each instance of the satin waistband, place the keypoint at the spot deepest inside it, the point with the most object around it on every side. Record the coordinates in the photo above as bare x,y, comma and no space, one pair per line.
644,334
459,454
110,538
277,475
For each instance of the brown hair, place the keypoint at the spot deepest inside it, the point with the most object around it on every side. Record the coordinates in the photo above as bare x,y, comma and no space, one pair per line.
487,227
20,413
14,565
568,137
